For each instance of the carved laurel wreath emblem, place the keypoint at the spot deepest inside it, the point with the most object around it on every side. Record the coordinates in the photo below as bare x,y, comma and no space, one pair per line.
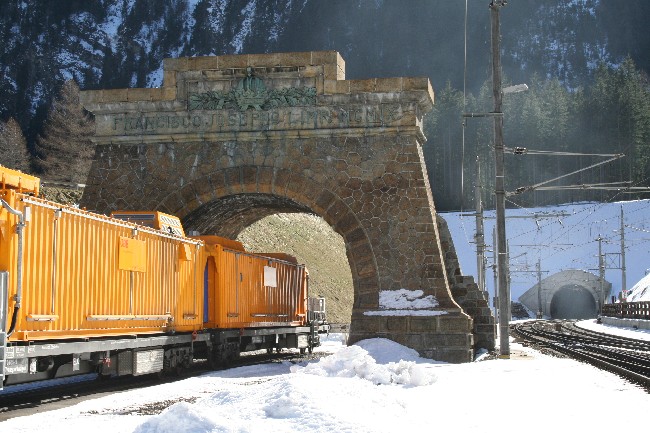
251,93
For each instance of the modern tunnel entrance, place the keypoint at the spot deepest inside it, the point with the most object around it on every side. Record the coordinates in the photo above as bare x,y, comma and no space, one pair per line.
573,302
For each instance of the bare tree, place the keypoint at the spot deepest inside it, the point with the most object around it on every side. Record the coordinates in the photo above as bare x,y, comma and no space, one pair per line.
64,151
13,146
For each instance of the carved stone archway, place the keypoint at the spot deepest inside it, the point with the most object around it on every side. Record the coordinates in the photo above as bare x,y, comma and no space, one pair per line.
228,140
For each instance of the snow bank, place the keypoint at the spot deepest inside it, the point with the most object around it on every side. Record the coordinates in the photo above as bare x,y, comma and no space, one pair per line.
640,291
323,396
181,417
355,361
269,398
384,351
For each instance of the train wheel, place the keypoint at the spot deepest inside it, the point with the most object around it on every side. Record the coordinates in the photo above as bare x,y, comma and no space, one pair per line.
214,362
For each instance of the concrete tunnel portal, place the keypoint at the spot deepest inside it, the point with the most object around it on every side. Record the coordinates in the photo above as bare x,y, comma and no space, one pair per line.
573,302
569,294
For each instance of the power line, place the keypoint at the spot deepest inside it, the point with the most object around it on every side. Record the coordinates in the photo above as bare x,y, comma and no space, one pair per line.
526,151
624,186
537,185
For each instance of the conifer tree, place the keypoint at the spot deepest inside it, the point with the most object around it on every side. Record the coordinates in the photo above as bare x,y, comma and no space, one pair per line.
64,151
13,146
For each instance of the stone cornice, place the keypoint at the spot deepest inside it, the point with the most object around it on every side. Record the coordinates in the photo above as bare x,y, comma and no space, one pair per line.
326,69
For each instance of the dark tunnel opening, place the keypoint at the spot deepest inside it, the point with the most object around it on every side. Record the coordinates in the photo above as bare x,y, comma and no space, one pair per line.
573,302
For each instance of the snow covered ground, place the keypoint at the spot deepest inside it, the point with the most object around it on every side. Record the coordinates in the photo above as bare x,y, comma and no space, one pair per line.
377,386
380,386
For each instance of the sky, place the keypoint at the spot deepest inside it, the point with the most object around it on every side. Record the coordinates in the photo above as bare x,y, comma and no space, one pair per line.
561,237
375,386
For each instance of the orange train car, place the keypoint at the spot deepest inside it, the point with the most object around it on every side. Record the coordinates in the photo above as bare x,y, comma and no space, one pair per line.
252,290
131,294
86,275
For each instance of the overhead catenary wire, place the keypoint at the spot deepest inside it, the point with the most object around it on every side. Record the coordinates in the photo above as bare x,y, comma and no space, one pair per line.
637,229
526,151
569,229
537,185
610,186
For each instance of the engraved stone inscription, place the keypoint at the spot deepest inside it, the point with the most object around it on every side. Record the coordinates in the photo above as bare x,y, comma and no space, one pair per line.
253,120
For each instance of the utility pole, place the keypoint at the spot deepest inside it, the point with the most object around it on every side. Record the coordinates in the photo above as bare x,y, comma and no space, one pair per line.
601,274
494,274
539,288
479,237
623,277
500,193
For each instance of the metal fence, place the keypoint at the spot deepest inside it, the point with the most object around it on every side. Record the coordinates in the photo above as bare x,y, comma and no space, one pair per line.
628,310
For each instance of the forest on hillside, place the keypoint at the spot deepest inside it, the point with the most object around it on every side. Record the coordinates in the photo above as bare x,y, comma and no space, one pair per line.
586,64
549,132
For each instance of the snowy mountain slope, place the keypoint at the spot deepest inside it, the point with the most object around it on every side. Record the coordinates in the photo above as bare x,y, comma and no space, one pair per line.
562,237
640,291
120,43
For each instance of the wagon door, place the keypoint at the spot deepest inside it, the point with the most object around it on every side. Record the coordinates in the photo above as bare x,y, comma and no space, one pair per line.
210,306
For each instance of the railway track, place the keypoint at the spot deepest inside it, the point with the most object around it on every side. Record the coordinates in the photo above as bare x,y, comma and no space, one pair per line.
19,400
627,357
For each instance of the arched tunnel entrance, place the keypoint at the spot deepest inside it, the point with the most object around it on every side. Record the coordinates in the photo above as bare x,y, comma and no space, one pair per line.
269,223
231,214
573,302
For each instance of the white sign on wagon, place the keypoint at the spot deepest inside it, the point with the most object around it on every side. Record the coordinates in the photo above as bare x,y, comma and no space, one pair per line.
270,276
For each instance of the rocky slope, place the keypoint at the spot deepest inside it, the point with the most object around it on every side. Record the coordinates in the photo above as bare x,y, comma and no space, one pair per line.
313,242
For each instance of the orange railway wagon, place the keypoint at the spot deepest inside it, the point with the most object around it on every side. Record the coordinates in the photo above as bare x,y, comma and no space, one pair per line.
131,294
252,290
87,275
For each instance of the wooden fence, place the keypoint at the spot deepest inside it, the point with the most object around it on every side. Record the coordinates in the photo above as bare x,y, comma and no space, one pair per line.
628,310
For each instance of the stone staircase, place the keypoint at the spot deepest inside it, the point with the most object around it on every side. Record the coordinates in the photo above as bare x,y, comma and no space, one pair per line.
467,294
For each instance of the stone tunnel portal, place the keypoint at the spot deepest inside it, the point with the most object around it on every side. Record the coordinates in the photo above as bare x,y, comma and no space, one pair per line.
228,140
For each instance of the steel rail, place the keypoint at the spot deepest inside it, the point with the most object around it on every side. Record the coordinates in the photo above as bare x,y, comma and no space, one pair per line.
626,357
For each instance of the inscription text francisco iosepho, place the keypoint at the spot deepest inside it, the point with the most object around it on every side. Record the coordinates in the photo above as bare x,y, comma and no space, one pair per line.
255,120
